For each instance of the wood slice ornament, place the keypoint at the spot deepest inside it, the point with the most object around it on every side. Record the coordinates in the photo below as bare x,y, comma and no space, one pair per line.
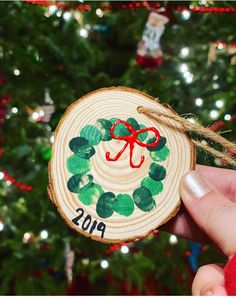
114,173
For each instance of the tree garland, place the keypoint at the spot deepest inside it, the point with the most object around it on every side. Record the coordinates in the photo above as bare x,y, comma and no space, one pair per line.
132,6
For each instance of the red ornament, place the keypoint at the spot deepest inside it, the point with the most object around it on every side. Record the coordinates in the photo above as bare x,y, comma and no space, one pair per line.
4,100
187,253
230,276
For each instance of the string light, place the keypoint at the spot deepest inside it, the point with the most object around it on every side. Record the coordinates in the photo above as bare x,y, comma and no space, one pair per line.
1,175
99,12
87,27
1,226
188,76
35,116
215,77
124,249
177,82
220,45
16,72
52,9
14,110
219,103
104,264
44,234
183,67
184,52
227,117
173,239
66,16
215,86
185,14
83,33
26,237
8,183
59,13
189,79
85,261
199,101
214,114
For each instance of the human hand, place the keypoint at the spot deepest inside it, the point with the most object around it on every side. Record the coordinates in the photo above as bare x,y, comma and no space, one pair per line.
209,215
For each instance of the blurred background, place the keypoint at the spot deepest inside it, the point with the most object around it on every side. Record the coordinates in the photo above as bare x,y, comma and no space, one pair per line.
52,53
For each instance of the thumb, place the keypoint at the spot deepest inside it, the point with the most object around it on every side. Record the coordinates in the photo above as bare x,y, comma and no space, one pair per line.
212,212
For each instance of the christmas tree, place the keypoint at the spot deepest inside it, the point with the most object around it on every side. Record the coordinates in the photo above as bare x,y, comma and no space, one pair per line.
50,55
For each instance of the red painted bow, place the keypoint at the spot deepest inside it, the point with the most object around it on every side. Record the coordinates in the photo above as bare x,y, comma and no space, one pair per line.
131,140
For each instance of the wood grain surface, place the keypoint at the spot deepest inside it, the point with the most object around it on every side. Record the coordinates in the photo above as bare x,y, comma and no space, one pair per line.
117,177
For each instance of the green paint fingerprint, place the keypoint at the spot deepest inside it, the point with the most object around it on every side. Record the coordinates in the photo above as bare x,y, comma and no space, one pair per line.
143,199
124,205
133,123
160,144
104,206
160,155
77,165
142,136
113,120
157,172
78,181
121,130
86,179
92,134
90,193
105,127
86,151
76,143
155,187
73,183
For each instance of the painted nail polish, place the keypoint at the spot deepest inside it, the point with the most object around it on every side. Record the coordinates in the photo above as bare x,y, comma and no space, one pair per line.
193,185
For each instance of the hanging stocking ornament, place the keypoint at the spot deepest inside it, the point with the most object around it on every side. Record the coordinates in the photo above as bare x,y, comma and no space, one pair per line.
114,173
149,54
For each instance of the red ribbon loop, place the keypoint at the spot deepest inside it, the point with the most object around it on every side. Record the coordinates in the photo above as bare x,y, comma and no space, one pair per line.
131,140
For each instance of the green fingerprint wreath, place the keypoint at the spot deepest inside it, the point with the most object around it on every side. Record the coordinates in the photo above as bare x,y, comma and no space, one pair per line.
89,192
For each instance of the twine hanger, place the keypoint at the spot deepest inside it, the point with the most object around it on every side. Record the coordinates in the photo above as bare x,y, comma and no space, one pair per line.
187,126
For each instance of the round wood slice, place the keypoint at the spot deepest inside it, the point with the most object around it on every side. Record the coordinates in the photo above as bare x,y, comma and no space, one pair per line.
110,201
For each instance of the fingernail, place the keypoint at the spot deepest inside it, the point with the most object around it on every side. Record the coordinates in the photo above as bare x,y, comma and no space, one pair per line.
193,185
